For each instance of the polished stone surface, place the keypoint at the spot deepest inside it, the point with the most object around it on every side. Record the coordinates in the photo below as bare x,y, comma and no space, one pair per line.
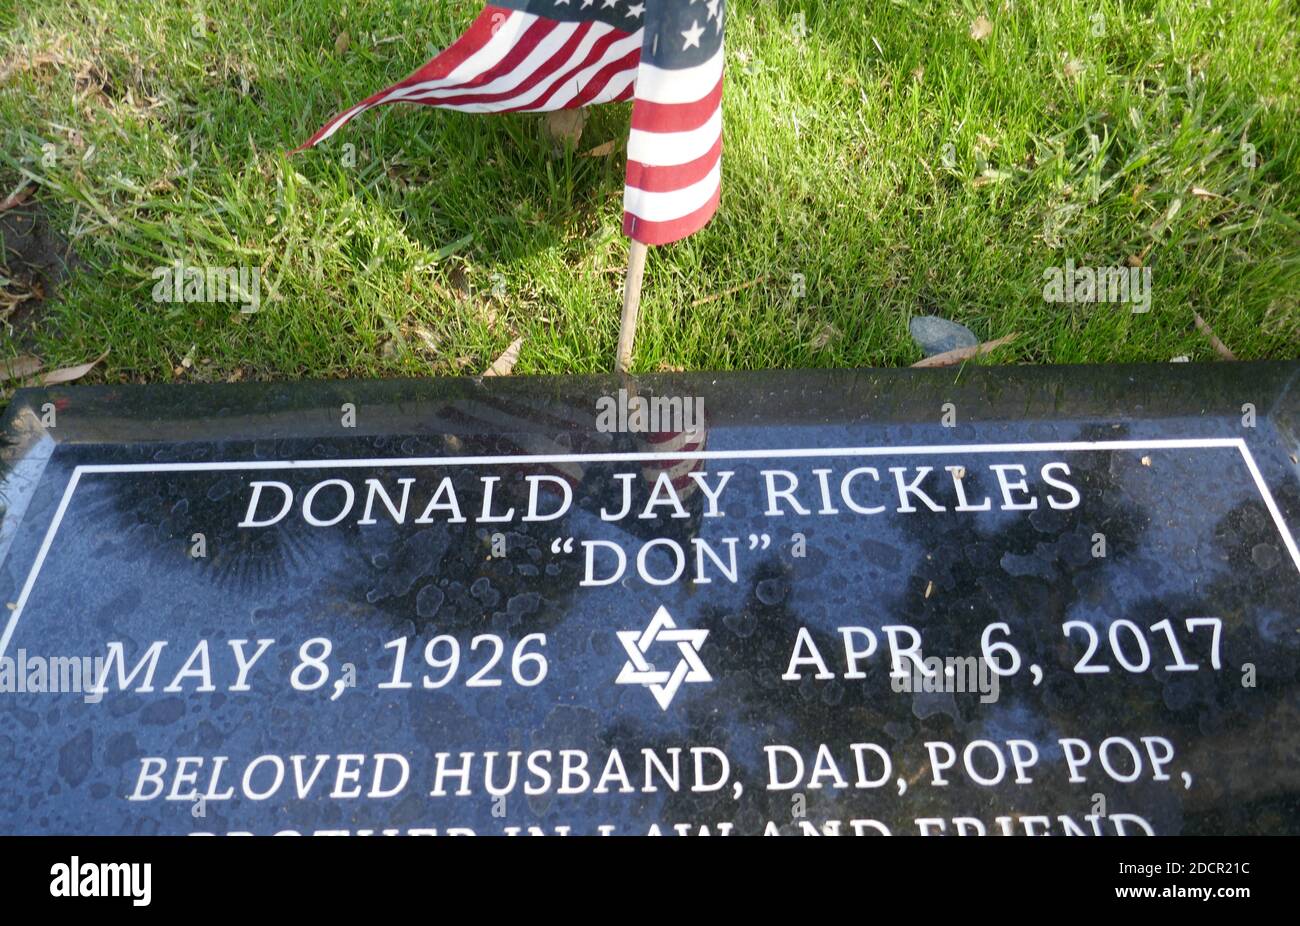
1150,511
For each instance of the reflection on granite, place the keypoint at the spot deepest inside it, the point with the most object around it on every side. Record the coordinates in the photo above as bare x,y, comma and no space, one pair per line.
476,608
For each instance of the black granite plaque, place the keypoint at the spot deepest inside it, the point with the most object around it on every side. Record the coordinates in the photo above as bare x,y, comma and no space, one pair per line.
1061,600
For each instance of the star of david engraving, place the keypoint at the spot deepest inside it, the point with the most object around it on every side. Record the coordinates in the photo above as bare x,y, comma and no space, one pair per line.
638,670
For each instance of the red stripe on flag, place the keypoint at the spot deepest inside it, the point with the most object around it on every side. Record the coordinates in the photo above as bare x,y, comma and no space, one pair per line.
601,78
529,41
657,233
478,35
545,70
676,117
597,52
665,179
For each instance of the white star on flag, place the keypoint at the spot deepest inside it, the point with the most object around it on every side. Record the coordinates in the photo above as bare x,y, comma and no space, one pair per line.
692,35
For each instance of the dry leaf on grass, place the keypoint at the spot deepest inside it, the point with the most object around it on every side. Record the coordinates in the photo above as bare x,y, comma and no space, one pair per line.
20,367
566,125
25,61
600,151
16,198
964,353
989,175
504,364
426,338
824,337
70,374
341,43
981,28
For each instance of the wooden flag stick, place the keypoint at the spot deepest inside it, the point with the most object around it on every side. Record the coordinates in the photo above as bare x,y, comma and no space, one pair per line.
631,303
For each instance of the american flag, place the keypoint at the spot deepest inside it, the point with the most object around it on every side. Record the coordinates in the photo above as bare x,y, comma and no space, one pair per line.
542,55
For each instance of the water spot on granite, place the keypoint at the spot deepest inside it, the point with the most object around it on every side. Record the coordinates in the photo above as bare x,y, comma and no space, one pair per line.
121,747
1076,548
1264,555
75,758
483,591
600,642
222,488
880,554
771,591
416,557
521,605
1046,520
741,624
408,810
127,601
1021,565
806,689
1179,693
929,703
161,713
1277,628
898,731
208,736
428,601
121,706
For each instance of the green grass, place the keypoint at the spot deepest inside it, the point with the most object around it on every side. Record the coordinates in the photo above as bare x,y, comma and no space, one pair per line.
1071,138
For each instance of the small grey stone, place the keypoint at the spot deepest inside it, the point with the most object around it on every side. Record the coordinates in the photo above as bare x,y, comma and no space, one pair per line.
937,335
